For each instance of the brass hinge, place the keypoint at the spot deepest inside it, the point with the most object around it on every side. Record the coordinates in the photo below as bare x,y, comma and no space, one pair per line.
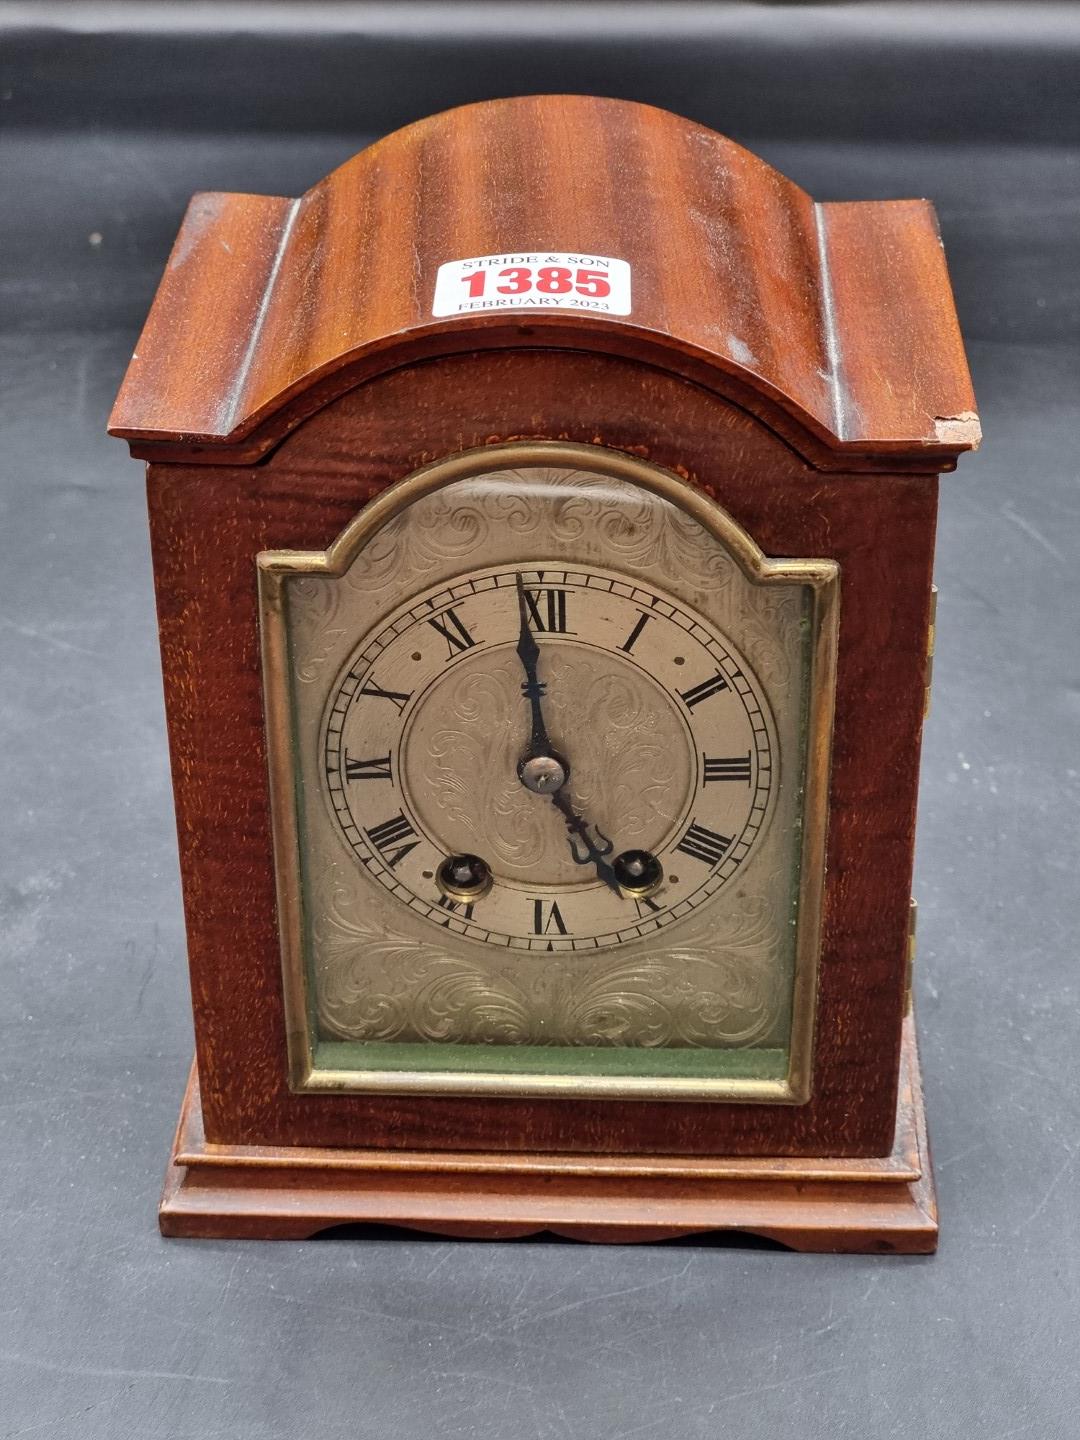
931,638
913,917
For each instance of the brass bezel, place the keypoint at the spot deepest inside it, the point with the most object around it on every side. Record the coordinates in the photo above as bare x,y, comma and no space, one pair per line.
820,576
462,892
642,892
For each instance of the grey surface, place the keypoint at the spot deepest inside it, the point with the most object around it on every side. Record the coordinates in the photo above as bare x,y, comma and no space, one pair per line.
109,1331
920,72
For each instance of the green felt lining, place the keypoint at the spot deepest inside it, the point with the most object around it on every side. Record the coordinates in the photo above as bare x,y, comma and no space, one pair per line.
581,1060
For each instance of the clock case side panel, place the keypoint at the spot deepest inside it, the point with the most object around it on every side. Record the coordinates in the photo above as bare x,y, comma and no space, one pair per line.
209,523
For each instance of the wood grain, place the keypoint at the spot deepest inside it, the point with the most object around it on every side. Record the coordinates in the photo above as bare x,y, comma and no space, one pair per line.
837,317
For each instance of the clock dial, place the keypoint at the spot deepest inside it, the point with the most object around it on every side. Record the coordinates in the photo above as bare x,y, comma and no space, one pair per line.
655,721
541,741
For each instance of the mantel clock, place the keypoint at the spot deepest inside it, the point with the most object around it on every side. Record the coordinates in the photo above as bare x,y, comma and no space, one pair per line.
543,560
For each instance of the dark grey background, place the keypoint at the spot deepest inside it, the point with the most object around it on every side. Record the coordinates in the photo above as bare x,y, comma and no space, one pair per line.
113,115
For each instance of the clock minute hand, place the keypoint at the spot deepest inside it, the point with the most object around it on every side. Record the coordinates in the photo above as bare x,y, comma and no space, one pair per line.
533,689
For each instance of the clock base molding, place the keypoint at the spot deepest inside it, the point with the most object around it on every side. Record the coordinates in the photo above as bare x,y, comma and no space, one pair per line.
876,1205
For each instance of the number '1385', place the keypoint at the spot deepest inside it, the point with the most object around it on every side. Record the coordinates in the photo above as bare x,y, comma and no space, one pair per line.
545,280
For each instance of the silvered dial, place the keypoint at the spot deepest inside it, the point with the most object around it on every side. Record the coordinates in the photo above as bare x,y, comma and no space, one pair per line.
548,748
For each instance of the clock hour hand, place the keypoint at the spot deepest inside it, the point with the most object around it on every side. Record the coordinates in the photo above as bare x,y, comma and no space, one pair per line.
583,848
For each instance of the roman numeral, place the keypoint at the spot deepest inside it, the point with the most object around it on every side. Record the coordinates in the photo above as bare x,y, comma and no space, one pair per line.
454,906
367,769
734,767
456,636
395,696
628,643
704,844
647,907
553,617
388,835
712,686
546,915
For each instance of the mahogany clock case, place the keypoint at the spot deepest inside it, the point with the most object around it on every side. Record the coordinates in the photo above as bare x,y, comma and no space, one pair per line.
273,440
130,1333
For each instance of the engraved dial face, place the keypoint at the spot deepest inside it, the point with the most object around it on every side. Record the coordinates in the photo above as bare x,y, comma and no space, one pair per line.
541,744
662,736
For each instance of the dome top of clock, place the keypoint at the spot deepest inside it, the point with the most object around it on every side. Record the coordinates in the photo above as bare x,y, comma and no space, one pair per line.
833,322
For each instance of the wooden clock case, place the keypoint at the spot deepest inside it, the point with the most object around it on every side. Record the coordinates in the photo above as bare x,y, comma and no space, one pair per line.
799,362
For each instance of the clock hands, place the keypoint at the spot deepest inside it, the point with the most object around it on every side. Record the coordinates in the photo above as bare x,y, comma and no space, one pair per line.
540,746
591,852
544,772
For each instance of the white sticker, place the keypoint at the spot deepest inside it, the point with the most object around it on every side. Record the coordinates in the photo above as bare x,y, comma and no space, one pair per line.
533,280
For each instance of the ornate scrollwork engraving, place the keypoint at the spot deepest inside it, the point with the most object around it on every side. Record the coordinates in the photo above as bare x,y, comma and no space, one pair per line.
720,985
631,767
319,600
720,978
600,519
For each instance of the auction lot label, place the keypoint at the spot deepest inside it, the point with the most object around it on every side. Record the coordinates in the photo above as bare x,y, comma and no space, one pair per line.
533,280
